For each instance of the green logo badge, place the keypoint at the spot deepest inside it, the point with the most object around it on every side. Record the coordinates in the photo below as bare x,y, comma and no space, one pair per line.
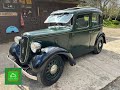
13,76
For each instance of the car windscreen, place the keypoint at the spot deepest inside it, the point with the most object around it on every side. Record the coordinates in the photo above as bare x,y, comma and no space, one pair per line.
59,18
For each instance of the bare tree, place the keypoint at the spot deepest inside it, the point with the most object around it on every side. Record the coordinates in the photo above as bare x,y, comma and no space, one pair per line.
110,8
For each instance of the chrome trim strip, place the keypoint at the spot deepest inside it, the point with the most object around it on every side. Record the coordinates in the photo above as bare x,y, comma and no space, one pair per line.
23,71
26,53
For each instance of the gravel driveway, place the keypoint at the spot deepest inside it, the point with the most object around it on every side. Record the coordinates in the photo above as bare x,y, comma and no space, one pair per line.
92,72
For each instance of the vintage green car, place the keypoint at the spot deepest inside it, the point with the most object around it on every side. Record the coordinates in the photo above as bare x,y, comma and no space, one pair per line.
71,33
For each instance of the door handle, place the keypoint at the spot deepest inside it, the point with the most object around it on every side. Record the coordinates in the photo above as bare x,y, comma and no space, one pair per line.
90,31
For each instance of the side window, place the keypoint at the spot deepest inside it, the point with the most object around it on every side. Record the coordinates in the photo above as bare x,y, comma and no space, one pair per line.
95,19
82,21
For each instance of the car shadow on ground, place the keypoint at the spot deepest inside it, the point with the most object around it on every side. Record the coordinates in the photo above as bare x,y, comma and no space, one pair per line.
35,85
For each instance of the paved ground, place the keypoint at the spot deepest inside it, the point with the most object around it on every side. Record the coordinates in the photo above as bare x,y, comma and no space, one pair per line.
92,72
114,85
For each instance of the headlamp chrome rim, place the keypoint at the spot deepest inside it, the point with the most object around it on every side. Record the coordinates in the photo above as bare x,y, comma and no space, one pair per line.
17,39
35,46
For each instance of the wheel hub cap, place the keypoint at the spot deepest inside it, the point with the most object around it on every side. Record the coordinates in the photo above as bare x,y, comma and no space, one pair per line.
100,44
53,69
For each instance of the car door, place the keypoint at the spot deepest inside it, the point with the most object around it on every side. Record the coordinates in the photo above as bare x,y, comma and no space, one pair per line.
96,26
80,37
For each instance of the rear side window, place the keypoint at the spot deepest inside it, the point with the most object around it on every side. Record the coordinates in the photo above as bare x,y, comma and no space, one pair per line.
82,21
95,19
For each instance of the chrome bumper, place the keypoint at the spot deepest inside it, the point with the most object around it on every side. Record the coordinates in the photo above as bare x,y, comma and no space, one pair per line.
23,71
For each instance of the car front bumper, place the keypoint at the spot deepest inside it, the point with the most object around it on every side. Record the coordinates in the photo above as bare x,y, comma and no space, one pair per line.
23,70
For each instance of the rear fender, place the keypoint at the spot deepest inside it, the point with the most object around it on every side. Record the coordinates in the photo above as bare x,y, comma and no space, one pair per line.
101,34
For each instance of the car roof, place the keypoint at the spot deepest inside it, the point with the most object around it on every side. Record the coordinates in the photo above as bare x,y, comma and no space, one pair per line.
76,10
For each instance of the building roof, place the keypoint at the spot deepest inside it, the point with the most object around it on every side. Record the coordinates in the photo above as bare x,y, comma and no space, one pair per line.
61,1
77,10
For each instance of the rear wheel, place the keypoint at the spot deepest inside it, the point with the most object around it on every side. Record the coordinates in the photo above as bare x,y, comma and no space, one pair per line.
51,71
99,45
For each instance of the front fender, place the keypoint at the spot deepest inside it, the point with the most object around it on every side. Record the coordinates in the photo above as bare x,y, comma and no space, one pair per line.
15,50
39,60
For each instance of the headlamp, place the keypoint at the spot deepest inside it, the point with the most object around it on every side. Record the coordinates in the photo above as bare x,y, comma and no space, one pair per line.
17,39
35,46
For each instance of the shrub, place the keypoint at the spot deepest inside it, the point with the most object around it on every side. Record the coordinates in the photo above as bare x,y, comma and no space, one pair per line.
107,22
111,23
115,22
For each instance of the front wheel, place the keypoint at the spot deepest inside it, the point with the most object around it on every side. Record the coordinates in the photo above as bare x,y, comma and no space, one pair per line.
98,46
51,70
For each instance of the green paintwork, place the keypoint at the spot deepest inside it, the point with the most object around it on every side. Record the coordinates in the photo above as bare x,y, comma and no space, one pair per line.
47,31
78,41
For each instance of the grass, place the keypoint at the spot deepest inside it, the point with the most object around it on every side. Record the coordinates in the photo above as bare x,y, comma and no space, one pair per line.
112,23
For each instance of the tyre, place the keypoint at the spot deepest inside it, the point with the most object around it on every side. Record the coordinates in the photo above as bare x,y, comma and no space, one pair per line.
98,46
51,70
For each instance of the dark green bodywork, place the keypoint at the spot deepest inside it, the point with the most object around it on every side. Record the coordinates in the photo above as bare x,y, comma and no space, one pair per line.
77,41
